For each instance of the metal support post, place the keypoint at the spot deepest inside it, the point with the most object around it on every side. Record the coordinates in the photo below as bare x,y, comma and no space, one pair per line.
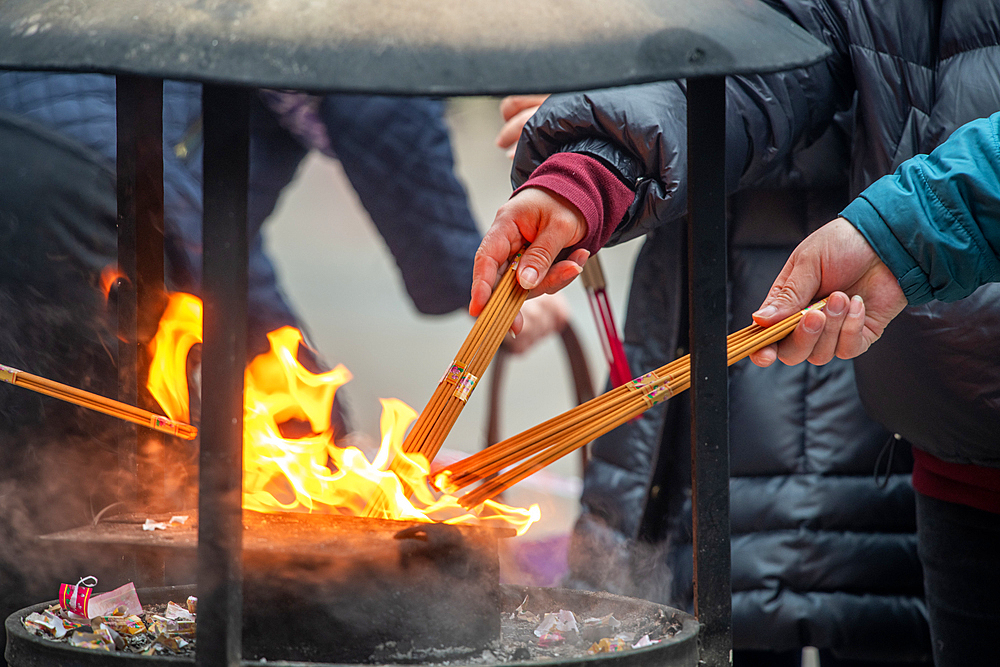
220,531
139,296
706,117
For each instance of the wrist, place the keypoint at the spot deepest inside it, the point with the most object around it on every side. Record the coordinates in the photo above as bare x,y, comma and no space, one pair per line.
590,189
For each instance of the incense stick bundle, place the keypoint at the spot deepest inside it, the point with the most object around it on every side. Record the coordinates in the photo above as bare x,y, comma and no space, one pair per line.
532,450
96,402
449,398
435,422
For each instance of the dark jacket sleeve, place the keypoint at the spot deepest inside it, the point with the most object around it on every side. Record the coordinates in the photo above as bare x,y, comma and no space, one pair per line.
640,132
936,221
397,154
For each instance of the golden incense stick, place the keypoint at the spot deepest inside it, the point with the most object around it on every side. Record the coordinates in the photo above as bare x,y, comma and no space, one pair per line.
436,420
96,402
547,442
438,417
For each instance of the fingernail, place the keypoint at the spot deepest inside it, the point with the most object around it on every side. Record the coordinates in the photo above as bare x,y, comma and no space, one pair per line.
834,307
812,324
857,303
766,312
529,277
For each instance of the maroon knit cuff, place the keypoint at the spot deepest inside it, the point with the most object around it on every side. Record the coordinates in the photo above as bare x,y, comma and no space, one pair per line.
591,187
965,484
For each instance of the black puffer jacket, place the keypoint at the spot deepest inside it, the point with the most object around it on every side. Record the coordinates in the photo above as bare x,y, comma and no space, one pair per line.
821,556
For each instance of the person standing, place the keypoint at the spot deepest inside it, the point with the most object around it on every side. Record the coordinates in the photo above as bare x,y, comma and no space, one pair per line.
929,231
912,73
802,493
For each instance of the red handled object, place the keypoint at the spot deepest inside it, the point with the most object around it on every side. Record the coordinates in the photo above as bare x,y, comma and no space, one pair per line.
600,306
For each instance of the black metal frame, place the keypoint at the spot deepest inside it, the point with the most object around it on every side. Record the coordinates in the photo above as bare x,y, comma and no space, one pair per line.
707,278
354,52
226,113
226,169
139,289
225,255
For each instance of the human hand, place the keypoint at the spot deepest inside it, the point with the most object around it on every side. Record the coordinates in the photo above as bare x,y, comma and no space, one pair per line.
864,296
516,110
550,223
545,315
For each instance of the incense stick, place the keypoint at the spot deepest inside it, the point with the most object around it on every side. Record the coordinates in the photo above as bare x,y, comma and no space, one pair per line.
539,446
453,391
96,402
436,420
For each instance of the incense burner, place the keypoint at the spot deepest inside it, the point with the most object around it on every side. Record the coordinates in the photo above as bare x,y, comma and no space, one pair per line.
329,589
517,646
337,588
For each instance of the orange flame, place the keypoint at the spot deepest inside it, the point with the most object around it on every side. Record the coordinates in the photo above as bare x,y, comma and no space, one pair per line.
179,331
311,473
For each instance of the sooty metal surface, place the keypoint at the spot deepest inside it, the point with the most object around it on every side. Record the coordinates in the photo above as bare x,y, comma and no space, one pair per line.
426,587
332,588
441,47
277,532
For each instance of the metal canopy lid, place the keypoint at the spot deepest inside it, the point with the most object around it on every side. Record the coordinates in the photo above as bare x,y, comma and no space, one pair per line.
441,47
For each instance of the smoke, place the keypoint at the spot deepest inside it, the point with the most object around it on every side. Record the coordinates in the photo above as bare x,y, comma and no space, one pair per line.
59,463
602,559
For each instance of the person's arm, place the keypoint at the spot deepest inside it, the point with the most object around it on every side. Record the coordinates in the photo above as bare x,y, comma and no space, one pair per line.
929,231
638,134
935,221
396,152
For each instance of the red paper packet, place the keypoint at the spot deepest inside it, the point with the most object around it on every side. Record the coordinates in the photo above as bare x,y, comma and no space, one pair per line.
74,597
